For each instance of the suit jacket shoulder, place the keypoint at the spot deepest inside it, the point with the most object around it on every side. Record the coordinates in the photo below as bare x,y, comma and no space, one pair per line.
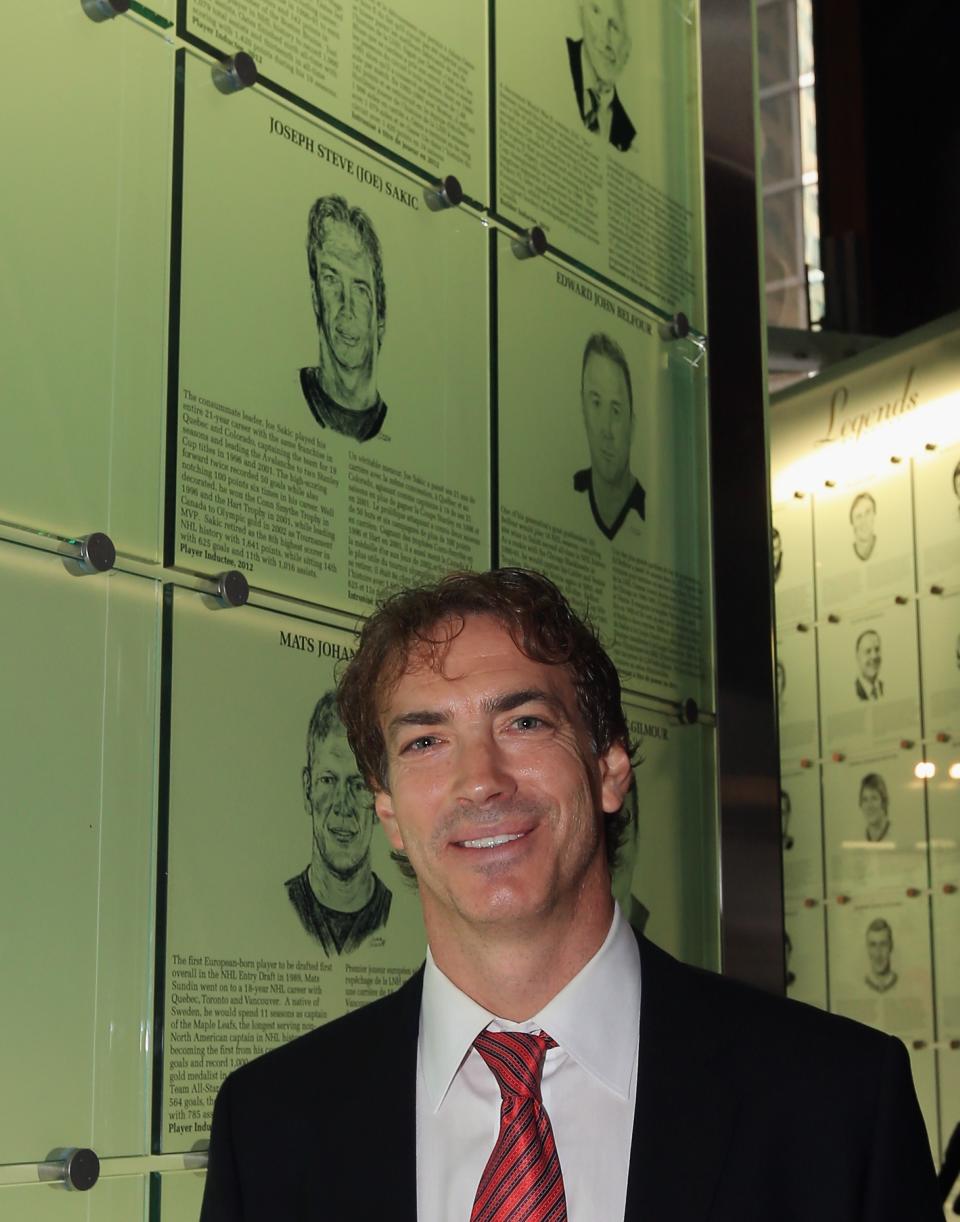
751,1106
293,1134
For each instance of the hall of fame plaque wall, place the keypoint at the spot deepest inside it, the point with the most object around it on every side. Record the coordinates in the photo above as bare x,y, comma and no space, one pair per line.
866,558
305,302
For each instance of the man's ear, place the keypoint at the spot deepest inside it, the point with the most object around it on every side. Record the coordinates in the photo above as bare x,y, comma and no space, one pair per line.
383,805
305,781
615,777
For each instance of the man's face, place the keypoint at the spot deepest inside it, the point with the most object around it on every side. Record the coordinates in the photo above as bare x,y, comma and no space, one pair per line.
496,794
868,656
605,37
607,417
862,516
871,807
777,547
346,296
879,948
340,805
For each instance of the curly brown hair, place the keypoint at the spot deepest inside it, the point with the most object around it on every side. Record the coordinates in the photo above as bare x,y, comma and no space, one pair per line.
543,627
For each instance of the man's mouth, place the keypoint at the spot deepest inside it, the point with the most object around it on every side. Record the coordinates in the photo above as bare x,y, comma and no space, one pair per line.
490,842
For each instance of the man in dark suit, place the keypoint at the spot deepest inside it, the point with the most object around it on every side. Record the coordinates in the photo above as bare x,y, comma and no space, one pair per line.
596,62
868,685
544,1053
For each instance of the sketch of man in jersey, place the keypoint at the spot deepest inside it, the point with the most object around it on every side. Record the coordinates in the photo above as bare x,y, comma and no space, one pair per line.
350,306
339,899
875,806
863,516
880,976
606,400
596,62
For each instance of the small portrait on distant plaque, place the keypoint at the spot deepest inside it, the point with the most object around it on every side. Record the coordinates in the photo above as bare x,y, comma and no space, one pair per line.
875,806
597,60
339,899
863,519
776,548
606,401
956,484
786,810
781,683
868,684
880,974
791,977
350,307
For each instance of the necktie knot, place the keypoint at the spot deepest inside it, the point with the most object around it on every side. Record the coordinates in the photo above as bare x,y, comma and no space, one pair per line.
515,1058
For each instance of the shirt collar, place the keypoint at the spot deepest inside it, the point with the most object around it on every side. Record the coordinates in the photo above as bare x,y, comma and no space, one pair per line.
595,1018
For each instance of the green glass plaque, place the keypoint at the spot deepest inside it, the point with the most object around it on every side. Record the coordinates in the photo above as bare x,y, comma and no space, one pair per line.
667,881
179,1194
79,660
333,417
801,832
284,908
598,139
410,78
603,470
874,824
83,317
114,1199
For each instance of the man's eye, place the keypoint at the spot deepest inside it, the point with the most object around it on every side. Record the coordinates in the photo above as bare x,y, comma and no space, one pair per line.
419,744
529,721
327,778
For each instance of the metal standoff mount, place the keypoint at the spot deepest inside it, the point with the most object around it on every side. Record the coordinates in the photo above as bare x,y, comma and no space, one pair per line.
530,243
677,328
236,73
446,194
689,712
233,588
104,10
76,1167
97,552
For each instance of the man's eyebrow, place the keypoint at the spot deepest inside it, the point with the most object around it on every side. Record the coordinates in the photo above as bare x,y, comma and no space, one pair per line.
417,717
509,701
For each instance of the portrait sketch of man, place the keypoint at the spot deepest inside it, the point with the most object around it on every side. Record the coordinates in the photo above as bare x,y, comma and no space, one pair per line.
776,549
863,517
875,806
350,307
868,684
339,899
880,975
597,60
606,400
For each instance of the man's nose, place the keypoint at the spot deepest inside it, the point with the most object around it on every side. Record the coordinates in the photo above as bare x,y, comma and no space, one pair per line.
483,771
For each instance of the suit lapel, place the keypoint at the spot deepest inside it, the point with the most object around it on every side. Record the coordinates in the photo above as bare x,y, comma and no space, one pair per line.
687,1099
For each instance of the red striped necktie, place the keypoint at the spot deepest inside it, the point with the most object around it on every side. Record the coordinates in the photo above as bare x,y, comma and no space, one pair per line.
522,1181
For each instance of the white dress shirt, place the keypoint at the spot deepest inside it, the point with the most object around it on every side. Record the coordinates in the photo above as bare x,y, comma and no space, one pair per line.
588,1089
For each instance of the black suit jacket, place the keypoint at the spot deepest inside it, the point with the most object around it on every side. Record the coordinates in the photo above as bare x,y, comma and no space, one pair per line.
863,694
622,130
749,1109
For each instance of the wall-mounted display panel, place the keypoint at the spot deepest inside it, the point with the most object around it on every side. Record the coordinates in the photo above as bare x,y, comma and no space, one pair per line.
943,813
937,497
802,832
284,908
667,880
805,952
869,680
177,1195
864,536
115,1199
874,824
77,743
792,556
880,965
83,321
603,471
598,139
413,79
946,942
940,659
332,415
796,679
